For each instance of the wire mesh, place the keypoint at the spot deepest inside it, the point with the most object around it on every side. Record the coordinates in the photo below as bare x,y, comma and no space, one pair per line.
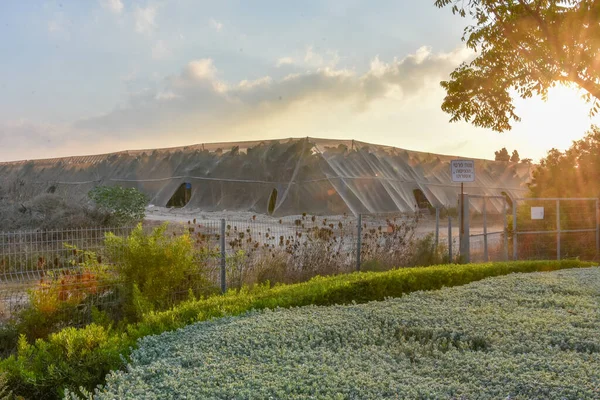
69,266
76,267
556,229
487,220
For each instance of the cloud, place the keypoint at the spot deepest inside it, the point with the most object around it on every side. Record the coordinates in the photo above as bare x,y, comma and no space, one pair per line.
160,50
39,140
284,61
311,59
114,6
198,100
317,60
216,25
145,19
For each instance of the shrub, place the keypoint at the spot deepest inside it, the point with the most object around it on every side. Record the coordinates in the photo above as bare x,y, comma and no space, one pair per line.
73,358
49,211
451,343
65,296
126,205
154,267
5,394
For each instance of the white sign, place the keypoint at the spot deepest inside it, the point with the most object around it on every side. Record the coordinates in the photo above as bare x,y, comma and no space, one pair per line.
537,212
462,170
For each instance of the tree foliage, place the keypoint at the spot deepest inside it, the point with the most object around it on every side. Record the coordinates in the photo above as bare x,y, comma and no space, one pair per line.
126,205
515,156
526,46
572,173
502,155
527,161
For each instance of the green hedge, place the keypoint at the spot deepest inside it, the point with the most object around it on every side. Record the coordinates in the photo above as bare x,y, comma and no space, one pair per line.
82,357
521,336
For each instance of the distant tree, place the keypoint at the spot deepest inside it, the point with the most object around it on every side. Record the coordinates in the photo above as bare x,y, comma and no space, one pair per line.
515,156
523,47
126,205
572,173
527,161
502,155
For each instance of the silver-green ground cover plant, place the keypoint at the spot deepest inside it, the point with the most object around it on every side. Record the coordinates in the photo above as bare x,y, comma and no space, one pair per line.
522,336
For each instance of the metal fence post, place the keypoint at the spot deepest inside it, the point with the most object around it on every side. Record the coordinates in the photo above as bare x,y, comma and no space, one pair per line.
449,239
358,241
464,234
515,244
597,231
505,252
485,238
437,227
558,229
223,261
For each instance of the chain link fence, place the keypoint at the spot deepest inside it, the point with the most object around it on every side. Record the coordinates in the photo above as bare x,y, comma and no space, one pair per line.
231,253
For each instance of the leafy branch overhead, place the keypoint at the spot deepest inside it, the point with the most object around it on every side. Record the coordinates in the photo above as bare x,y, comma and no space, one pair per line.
522,46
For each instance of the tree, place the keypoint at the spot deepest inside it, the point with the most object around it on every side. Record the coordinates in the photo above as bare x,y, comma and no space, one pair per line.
126,205
526,46
502,155
572,173
527,161
515,156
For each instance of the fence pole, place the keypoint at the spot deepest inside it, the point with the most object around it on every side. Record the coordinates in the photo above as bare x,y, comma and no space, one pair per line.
485,238
465,251
437,227
449,239
223,277
358,241
505,252
558,229
597,231
515,229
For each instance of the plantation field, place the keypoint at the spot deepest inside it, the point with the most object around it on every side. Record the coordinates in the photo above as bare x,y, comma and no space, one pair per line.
521,336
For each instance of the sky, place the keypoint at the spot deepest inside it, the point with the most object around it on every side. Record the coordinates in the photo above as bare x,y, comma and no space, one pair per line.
96,76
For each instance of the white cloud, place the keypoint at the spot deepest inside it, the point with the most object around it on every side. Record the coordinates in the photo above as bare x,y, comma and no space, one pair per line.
145,19
160,50
216,25
197,99
316,60
114,6
284,61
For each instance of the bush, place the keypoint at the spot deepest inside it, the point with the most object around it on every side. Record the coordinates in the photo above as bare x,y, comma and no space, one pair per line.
125,205
49,211
452,343
155,267
81,357
63,297
5,394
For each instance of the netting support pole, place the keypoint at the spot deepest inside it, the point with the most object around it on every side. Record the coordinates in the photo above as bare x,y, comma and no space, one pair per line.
515,244
558,229
223,261
358,241
597,231
485,236
450,239
437,227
